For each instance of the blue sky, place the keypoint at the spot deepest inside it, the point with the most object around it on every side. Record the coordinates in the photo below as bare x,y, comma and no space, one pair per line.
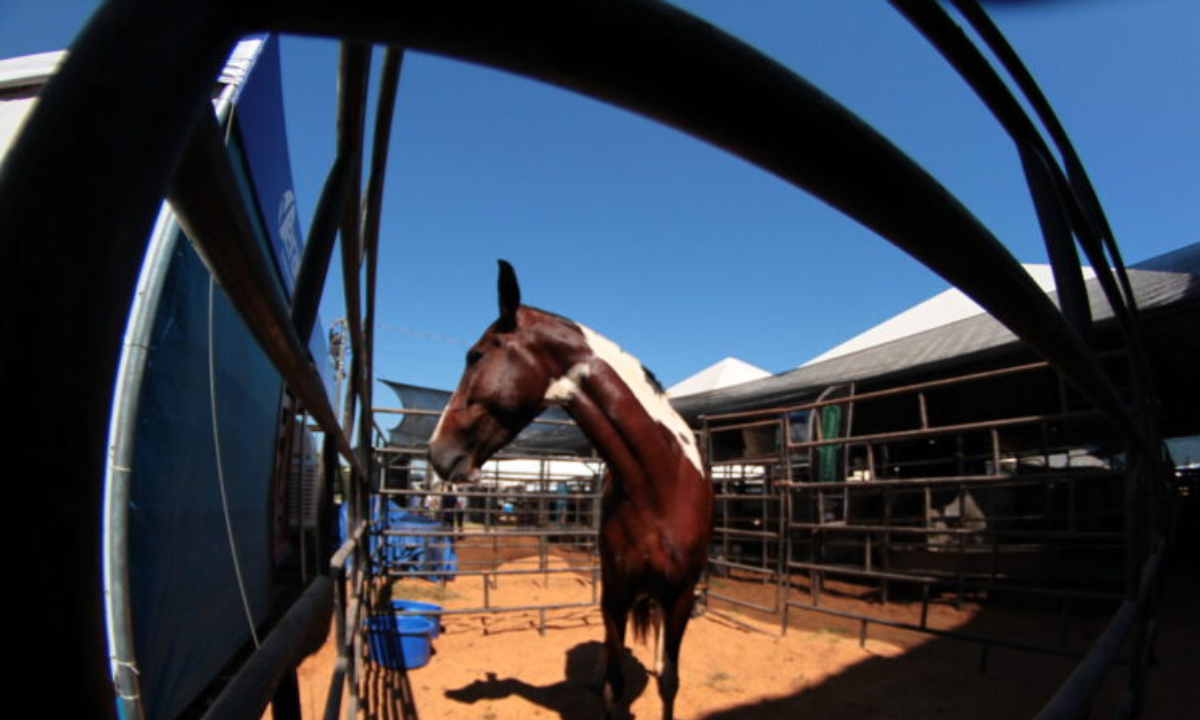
685,255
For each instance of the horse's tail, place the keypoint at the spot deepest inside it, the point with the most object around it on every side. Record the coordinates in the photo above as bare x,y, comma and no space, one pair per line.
644,614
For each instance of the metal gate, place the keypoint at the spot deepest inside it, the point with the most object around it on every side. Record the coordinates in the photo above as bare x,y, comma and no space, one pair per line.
523,511
952,510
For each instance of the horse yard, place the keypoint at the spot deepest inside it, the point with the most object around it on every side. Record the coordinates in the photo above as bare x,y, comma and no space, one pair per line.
501,666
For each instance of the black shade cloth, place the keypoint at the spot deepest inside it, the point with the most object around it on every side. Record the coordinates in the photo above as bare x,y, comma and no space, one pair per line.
414,431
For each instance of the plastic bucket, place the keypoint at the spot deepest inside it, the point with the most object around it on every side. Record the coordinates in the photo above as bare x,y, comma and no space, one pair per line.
398,642
435,612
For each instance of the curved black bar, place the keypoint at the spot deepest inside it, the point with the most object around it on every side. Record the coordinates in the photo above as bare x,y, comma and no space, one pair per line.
206,200
1052,194
685,73
78,196
1093,217
331,208
354,79
1079,177
372,204
1058,195
318,249
79,191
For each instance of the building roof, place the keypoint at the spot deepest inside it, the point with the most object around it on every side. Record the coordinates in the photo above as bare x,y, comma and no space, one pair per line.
940,310
931,346
942,334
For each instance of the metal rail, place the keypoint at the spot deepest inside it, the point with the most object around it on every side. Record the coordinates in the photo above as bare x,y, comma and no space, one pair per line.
933,578
1074,697
783,544
674,68
876,394
207,201
505,542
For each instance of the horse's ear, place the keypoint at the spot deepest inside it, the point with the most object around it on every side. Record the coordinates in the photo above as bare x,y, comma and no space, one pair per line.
510,296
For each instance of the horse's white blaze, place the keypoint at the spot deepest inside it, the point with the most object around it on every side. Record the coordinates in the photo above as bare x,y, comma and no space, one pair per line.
437,429
630,370
564,388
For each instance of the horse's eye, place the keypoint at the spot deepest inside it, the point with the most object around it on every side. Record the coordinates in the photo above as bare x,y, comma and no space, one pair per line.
473,357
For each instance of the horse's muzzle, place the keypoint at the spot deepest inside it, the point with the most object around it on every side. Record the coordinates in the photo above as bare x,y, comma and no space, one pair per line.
451,462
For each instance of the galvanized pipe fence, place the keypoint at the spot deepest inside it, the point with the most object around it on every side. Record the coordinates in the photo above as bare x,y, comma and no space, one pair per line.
1009,506
112,170
511,523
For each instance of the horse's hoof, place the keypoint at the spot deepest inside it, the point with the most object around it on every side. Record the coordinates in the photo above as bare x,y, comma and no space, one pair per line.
613,709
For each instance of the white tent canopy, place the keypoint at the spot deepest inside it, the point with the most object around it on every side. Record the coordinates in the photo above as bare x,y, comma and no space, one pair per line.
725,373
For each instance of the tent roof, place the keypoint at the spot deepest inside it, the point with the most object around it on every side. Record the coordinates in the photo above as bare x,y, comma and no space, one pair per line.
941,309
942,334
1167,281
20,79
730,371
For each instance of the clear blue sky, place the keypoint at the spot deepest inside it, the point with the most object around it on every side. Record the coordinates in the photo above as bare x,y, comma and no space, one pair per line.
685,255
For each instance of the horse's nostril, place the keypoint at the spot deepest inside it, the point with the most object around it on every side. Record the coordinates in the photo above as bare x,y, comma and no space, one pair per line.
445,458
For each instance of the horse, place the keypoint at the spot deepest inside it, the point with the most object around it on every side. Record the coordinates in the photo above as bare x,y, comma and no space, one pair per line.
657,504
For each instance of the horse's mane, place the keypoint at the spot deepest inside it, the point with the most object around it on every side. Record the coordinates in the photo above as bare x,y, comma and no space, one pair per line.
650,376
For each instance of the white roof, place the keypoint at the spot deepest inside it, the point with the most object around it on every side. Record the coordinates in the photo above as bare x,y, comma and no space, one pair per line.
27,71
729,371
941,309
25,75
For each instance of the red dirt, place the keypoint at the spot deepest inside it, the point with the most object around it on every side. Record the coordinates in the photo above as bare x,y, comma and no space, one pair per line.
500,666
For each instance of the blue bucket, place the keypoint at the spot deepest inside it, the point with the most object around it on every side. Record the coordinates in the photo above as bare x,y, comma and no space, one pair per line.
434,612
398,642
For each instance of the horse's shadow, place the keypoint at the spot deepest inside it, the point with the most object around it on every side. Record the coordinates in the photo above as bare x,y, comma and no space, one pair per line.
573,698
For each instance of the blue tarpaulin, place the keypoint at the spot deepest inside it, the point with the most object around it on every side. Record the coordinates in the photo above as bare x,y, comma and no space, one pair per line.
200,551
185,598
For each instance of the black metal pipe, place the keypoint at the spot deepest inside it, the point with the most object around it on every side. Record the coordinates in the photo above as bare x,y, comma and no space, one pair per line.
207,201
672,67
331,208
685,73
435,574
1060,242
366,238
352,93
949,634
1003,51
1049,186
79,191
298,633
373,202
393,59
318,248
328,477
1074,696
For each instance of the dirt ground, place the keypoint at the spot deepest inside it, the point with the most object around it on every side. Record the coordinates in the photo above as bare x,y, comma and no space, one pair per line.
736,665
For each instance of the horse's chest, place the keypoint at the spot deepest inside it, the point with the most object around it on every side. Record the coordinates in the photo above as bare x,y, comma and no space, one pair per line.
649,540
639,546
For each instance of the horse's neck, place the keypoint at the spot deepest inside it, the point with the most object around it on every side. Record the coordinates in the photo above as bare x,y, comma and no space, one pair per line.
645,443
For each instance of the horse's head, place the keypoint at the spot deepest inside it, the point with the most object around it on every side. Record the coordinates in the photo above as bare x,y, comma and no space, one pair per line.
505,384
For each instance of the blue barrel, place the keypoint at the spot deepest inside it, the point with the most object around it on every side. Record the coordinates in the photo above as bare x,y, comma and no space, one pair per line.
399,642
434,612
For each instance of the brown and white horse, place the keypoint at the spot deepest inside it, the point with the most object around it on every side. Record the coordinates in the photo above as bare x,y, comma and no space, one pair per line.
657,509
